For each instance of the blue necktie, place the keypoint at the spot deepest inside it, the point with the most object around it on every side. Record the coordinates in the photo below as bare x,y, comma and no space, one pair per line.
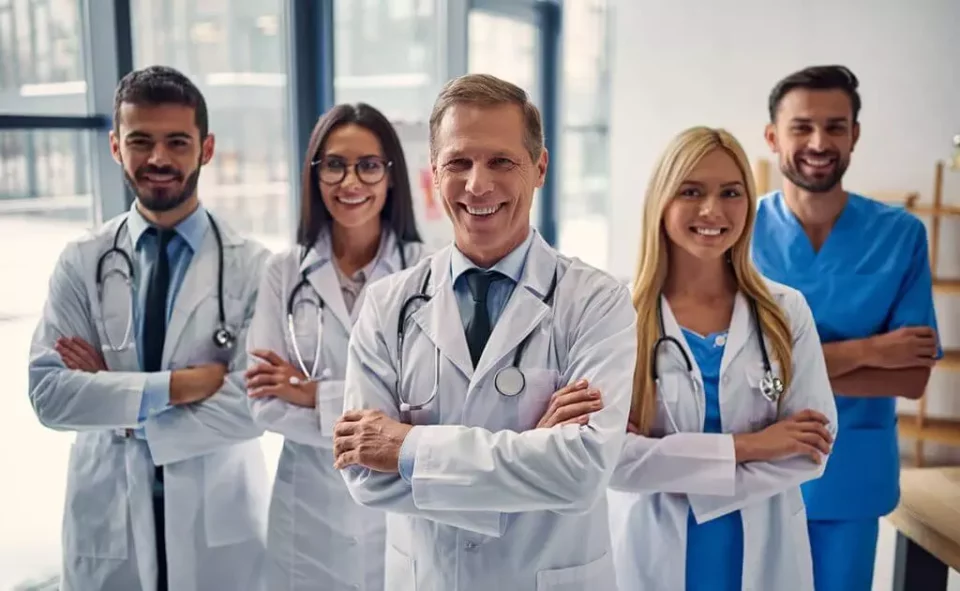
478,329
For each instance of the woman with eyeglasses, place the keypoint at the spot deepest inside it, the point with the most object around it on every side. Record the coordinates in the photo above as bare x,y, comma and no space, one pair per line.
356,226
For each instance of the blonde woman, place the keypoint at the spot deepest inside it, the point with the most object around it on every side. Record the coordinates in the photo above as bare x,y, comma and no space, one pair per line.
732,407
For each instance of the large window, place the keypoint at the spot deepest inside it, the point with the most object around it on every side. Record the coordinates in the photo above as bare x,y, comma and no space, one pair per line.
234,52
41,58
386,54
583,198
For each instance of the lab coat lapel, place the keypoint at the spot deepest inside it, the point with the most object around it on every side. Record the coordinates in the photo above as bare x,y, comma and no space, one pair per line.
740,333
322,275
388,262
439,318
524,310
199,283
669,359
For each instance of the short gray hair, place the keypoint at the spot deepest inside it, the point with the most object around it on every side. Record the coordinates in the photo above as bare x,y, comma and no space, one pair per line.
488,91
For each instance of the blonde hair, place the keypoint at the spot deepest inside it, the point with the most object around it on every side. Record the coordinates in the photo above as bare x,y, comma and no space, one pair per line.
675,165
488,91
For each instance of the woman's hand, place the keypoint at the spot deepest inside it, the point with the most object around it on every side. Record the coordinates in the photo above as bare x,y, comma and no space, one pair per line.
804,433
272,378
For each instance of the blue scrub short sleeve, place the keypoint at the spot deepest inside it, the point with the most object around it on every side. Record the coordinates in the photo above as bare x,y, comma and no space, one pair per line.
914,304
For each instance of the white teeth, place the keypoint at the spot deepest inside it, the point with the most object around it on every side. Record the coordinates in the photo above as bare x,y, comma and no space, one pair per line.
482,211
352,201
819,162
708,231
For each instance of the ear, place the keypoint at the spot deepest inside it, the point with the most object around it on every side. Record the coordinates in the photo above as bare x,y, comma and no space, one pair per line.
542,164
115,147
856,135
207,149
770,135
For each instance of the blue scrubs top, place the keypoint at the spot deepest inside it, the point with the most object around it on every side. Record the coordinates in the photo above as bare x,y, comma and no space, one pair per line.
715,548
871,276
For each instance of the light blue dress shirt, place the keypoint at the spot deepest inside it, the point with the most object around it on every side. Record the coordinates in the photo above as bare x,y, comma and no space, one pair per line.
511,266
188,238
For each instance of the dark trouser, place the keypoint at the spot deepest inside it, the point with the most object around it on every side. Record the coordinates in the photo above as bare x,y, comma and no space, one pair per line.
159,525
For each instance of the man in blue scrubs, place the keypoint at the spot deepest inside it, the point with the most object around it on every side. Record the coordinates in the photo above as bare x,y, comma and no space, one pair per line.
864,269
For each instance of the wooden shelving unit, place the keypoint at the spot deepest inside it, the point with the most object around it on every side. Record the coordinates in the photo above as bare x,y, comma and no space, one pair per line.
919,426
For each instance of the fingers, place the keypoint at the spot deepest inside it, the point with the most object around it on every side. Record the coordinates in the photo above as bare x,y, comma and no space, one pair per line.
809,415
814,440
73,357
265,391
575,386
343,444
261,368
265,379
86,347
70,360
346,459
577,409
808,450
581,420
633,428
268,356
918,331
815,428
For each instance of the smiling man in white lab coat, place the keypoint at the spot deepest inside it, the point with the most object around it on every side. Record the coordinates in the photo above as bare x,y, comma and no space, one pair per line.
167,483
477,496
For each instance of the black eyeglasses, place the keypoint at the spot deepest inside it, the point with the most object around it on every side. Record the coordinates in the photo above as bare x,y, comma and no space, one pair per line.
370,170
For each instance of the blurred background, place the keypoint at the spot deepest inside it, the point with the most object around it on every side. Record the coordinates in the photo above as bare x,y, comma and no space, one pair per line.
614,81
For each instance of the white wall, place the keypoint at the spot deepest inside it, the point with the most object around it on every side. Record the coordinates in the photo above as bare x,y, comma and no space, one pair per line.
679,63
691,62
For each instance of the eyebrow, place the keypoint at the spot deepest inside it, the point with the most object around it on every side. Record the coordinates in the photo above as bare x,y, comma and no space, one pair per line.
727,184
169,136
342,157
829,120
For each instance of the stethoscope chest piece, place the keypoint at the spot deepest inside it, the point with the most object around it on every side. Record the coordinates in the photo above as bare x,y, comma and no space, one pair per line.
771,386
509,381
223,338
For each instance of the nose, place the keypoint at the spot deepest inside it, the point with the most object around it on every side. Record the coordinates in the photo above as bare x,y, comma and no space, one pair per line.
350,179
158,156
479,181
709,206
819,140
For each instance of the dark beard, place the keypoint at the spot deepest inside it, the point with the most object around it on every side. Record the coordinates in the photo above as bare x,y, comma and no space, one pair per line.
161,200
791,170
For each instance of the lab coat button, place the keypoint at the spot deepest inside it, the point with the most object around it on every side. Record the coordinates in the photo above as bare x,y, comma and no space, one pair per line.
726,379
353,541
470,546
720,340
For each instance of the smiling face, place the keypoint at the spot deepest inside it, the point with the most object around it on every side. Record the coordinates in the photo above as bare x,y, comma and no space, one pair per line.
486,177
813,136
160,149
708,214
354,176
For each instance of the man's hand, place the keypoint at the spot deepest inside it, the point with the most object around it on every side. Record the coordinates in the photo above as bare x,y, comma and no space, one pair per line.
272,378
370,439
804,433
195,384
571,405
78,354
910,346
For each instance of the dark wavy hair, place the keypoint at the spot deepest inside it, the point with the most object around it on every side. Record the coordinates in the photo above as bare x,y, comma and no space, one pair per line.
397,212
817,78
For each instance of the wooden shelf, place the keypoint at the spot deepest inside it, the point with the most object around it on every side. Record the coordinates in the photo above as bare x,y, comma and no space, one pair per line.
945,431
951,360
951,286
943,210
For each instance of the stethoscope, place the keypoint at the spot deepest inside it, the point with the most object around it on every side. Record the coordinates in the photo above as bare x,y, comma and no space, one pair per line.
223,337
771,386
509,381
314,373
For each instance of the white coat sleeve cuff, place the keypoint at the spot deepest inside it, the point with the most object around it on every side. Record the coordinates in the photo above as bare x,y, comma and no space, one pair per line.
156,394
408,454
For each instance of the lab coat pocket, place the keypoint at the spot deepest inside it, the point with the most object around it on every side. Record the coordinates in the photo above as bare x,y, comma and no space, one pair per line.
401,570
95,519
535,398
598,575
329,405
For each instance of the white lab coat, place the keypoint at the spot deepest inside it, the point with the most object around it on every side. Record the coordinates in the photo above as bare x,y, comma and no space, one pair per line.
318,537
495,503
661,477
214,471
